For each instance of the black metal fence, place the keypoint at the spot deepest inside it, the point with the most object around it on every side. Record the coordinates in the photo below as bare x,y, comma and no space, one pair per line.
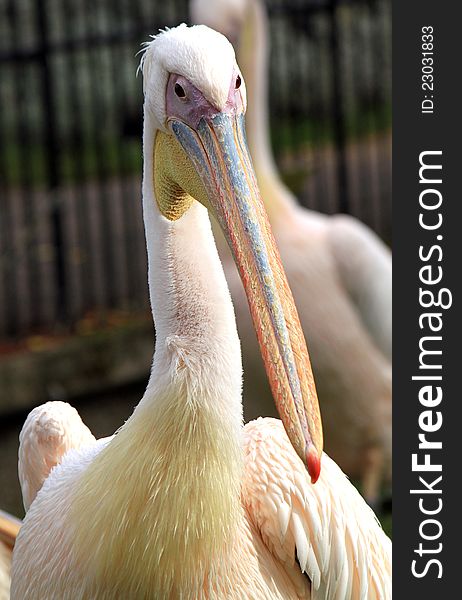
71,234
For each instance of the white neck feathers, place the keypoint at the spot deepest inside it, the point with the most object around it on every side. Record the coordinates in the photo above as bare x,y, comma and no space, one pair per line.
171,476
190,300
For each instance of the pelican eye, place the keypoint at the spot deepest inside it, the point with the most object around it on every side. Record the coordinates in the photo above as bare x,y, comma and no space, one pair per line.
238,82
179,91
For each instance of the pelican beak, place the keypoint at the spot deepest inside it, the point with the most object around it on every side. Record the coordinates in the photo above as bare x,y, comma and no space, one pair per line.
218,150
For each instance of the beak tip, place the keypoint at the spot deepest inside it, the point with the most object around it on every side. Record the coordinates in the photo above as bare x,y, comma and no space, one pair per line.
313,464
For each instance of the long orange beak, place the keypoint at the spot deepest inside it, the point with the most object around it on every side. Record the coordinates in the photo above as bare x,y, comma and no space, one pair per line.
218,150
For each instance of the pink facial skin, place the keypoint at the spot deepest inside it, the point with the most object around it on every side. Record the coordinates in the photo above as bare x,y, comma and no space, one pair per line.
193,106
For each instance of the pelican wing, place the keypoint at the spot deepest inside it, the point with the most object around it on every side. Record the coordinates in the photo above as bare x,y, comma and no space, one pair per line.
364,264
327,526
50,430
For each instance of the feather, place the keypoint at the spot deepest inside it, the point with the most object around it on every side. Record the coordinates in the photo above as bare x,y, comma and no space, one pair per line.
338,541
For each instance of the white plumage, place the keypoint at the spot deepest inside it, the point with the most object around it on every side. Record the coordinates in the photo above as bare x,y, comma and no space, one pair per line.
183,502
328,524
327,527
49,432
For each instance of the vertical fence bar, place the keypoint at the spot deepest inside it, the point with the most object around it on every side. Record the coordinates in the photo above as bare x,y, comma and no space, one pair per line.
9,324
22,199
317,190
135,238
328,202
51,153
20,240
338,113
31,263
105,232
121,188
362,190
74,146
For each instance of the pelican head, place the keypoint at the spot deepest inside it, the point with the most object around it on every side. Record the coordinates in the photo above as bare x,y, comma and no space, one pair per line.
194,116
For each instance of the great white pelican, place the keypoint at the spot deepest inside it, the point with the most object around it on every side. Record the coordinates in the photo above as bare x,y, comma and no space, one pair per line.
184,502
